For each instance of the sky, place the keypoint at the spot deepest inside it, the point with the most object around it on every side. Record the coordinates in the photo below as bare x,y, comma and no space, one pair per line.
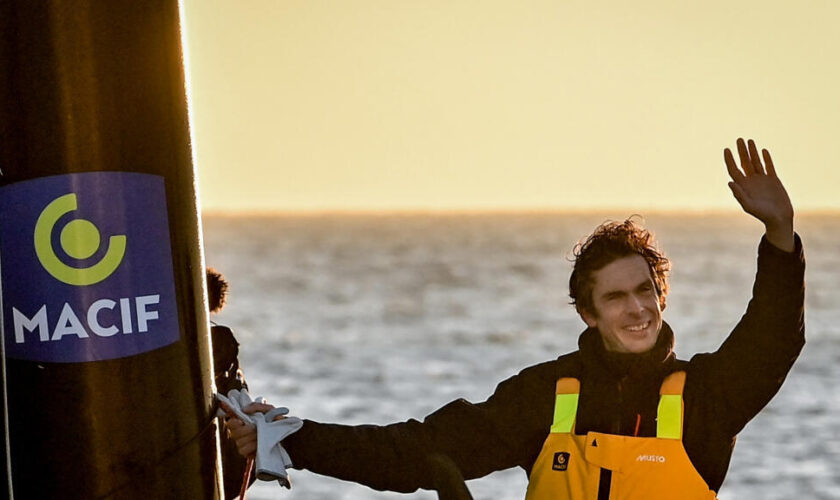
382,105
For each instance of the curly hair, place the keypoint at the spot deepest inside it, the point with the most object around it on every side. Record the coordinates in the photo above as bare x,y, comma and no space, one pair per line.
611,241
217,288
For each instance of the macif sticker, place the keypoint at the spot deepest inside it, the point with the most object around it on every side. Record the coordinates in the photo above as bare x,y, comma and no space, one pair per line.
561,461
86,267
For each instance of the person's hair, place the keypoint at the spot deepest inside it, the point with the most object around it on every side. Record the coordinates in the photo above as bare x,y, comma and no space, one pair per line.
217,288
611,241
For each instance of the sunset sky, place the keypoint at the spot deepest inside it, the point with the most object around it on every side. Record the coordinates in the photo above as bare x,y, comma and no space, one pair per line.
489,104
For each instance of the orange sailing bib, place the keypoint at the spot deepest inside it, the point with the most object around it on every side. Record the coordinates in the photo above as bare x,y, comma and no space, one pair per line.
598,466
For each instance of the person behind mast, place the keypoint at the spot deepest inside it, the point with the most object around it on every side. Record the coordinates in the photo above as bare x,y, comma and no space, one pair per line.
228,376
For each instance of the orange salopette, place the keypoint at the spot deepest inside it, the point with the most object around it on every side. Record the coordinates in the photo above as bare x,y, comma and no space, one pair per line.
599,466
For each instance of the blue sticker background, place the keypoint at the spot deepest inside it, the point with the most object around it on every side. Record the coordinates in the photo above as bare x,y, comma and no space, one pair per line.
116,203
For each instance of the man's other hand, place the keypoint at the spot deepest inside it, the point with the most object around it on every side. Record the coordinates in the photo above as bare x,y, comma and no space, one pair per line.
245,434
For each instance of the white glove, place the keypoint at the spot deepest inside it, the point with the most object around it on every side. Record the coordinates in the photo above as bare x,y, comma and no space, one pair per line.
272,460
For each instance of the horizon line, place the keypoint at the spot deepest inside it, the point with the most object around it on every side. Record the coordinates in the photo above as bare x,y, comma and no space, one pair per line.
444,211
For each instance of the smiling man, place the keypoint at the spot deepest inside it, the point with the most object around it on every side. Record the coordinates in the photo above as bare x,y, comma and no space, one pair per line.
622,417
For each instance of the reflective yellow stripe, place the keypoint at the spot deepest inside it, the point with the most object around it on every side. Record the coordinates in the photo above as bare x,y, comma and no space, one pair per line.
565,409
669,417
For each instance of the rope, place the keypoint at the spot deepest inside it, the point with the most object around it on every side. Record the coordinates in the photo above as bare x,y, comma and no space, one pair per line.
147,468
246,478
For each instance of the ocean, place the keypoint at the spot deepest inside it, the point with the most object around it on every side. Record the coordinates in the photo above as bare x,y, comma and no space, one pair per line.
380,318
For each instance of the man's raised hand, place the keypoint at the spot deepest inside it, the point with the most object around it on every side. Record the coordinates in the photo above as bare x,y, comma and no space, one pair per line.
760,193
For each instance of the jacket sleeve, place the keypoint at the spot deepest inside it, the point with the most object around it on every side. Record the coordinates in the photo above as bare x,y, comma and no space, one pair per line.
741,377
476,438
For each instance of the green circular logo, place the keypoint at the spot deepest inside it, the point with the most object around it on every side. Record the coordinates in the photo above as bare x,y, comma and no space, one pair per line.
79,239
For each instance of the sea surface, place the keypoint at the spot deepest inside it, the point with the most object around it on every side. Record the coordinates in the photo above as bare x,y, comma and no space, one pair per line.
380,318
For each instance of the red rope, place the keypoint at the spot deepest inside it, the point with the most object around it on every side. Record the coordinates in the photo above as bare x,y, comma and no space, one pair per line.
246,478
638,422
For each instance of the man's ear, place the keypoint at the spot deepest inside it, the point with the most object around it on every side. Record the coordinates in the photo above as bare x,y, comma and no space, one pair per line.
588,318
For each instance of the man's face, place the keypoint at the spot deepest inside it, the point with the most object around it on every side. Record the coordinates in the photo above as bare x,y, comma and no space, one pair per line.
626,304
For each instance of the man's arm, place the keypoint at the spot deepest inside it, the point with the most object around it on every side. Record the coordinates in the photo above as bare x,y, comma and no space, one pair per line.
749,368
475,439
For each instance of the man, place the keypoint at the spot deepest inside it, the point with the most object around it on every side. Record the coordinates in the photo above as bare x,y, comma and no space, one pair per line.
621,417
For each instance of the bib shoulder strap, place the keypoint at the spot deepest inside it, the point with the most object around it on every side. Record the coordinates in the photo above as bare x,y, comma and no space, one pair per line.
565,405
673,384
568,385
669,415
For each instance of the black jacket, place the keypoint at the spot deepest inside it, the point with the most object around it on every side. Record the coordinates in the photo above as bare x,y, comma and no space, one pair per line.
228,376
723,391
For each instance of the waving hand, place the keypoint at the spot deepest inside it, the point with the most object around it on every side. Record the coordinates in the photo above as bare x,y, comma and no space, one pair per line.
760,193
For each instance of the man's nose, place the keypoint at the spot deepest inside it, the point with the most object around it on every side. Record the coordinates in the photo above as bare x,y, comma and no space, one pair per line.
636,305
